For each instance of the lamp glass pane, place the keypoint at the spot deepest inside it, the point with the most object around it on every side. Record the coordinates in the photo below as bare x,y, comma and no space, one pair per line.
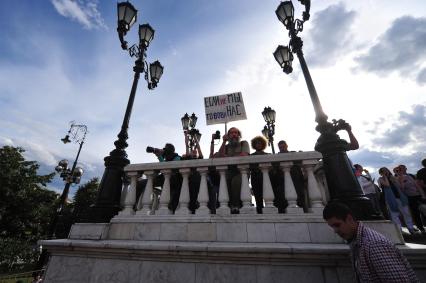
129,14
193,121
278,55
185,121
120,11
288,9
272,115
264,114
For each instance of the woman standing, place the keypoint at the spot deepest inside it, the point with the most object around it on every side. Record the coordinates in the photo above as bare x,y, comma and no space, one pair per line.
395,199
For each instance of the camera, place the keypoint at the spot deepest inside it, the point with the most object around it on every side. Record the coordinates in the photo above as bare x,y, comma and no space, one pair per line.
216,135
150,149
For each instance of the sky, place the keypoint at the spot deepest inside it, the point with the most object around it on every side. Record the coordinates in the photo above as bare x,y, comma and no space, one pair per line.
61,61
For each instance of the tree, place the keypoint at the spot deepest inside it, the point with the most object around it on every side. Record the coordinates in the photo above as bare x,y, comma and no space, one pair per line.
26,204
84,197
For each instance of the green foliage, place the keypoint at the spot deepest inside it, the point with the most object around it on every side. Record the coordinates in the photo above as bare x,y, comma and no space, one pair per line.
25,203
85,196
26,206
17,254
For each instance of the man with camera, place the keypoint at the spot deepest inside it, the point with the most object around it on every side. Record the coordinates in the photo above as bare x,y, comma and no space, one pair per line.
164,155
232,145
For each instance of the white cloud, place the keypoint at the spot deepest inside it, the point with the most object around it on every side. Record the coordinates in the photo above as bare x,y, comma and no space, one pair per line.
85,12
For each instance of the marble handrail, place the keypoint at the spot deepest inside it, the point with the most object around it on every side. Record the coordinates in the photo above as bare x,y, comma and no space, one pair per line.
316,187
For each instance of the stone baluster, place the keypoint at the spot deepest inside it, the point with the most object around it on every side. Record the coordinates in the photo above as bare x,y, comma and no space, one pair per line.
313,189
203,195
290,190
245,191
184,193
268,194
223,209
130,199
126,184
165,195
145,200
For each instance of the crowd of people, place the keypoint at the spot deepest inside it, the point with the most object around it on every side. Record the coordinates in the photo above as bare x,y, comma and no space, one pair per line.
232,145
398,196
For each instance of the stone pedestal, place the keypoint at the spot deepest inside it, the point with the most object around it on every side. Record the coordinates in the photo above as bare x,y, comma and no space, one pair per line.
214,248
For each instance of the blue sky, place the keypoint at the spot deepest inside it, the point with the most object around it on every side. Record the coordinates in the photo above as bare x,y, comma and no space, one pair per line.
60,60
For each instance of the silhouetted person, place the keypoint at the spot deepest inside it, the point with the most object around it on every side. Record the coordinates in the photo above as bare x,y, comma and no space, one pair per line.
296,174
259,144
232,145
165,155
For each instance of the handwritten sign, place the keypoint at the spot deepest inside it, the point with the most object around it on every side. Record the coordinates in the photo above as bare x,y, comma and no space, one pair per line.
224,108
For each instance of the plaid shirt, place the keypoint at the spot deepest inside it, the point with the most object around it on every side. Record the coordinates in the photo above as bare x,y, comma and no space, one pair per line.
376,259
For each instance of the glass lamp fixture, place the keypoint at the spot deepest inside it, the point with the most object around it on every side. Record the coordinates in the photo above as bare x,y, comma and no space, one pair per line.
185,121
284,57
156,71
146,34
193,120
269,114
126,16
285,13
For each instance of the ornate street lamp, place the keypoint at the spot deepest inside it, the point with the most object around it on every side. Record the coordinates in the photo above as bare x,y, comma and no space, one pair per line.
76,133
188,125
108,199
342,183
269,130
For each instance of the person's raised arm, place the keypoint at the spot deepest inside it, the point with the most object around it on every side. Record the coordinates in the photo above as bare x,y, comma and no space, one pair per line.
222,147
353,142
212,147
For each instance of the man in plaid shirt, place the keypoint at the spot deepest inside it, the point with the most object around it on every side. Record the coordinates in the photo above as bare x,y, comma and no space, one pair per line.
374,258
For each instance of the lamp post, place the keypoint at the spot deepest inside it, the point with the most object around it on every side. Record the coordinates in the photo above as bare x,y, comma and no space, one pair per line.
108,200
269,130
342,183
72,175
188,125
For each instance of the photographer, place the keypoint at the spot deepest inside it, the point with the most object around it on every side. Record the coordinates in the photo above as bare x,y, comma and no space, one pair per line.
164,155
343,125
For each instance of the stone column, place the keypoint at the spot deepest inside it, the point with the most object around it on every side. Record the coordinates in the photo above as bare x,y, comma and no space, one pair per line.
130,199
268,194
290,190
313,189
184,193
203,195
165,195
245,191
223,209
145,201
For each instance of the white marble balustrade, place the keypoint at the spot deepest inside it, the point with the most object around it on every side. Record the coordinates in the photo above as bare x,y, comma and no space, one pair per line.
316,188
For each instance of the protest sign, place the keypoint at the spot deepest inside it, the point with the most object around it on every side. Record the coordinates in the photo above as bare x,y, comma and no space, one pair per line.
224,108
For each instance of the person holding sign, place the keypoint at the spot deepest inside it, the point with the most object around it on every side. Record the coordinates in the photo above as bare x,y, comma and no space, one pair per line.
232,145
